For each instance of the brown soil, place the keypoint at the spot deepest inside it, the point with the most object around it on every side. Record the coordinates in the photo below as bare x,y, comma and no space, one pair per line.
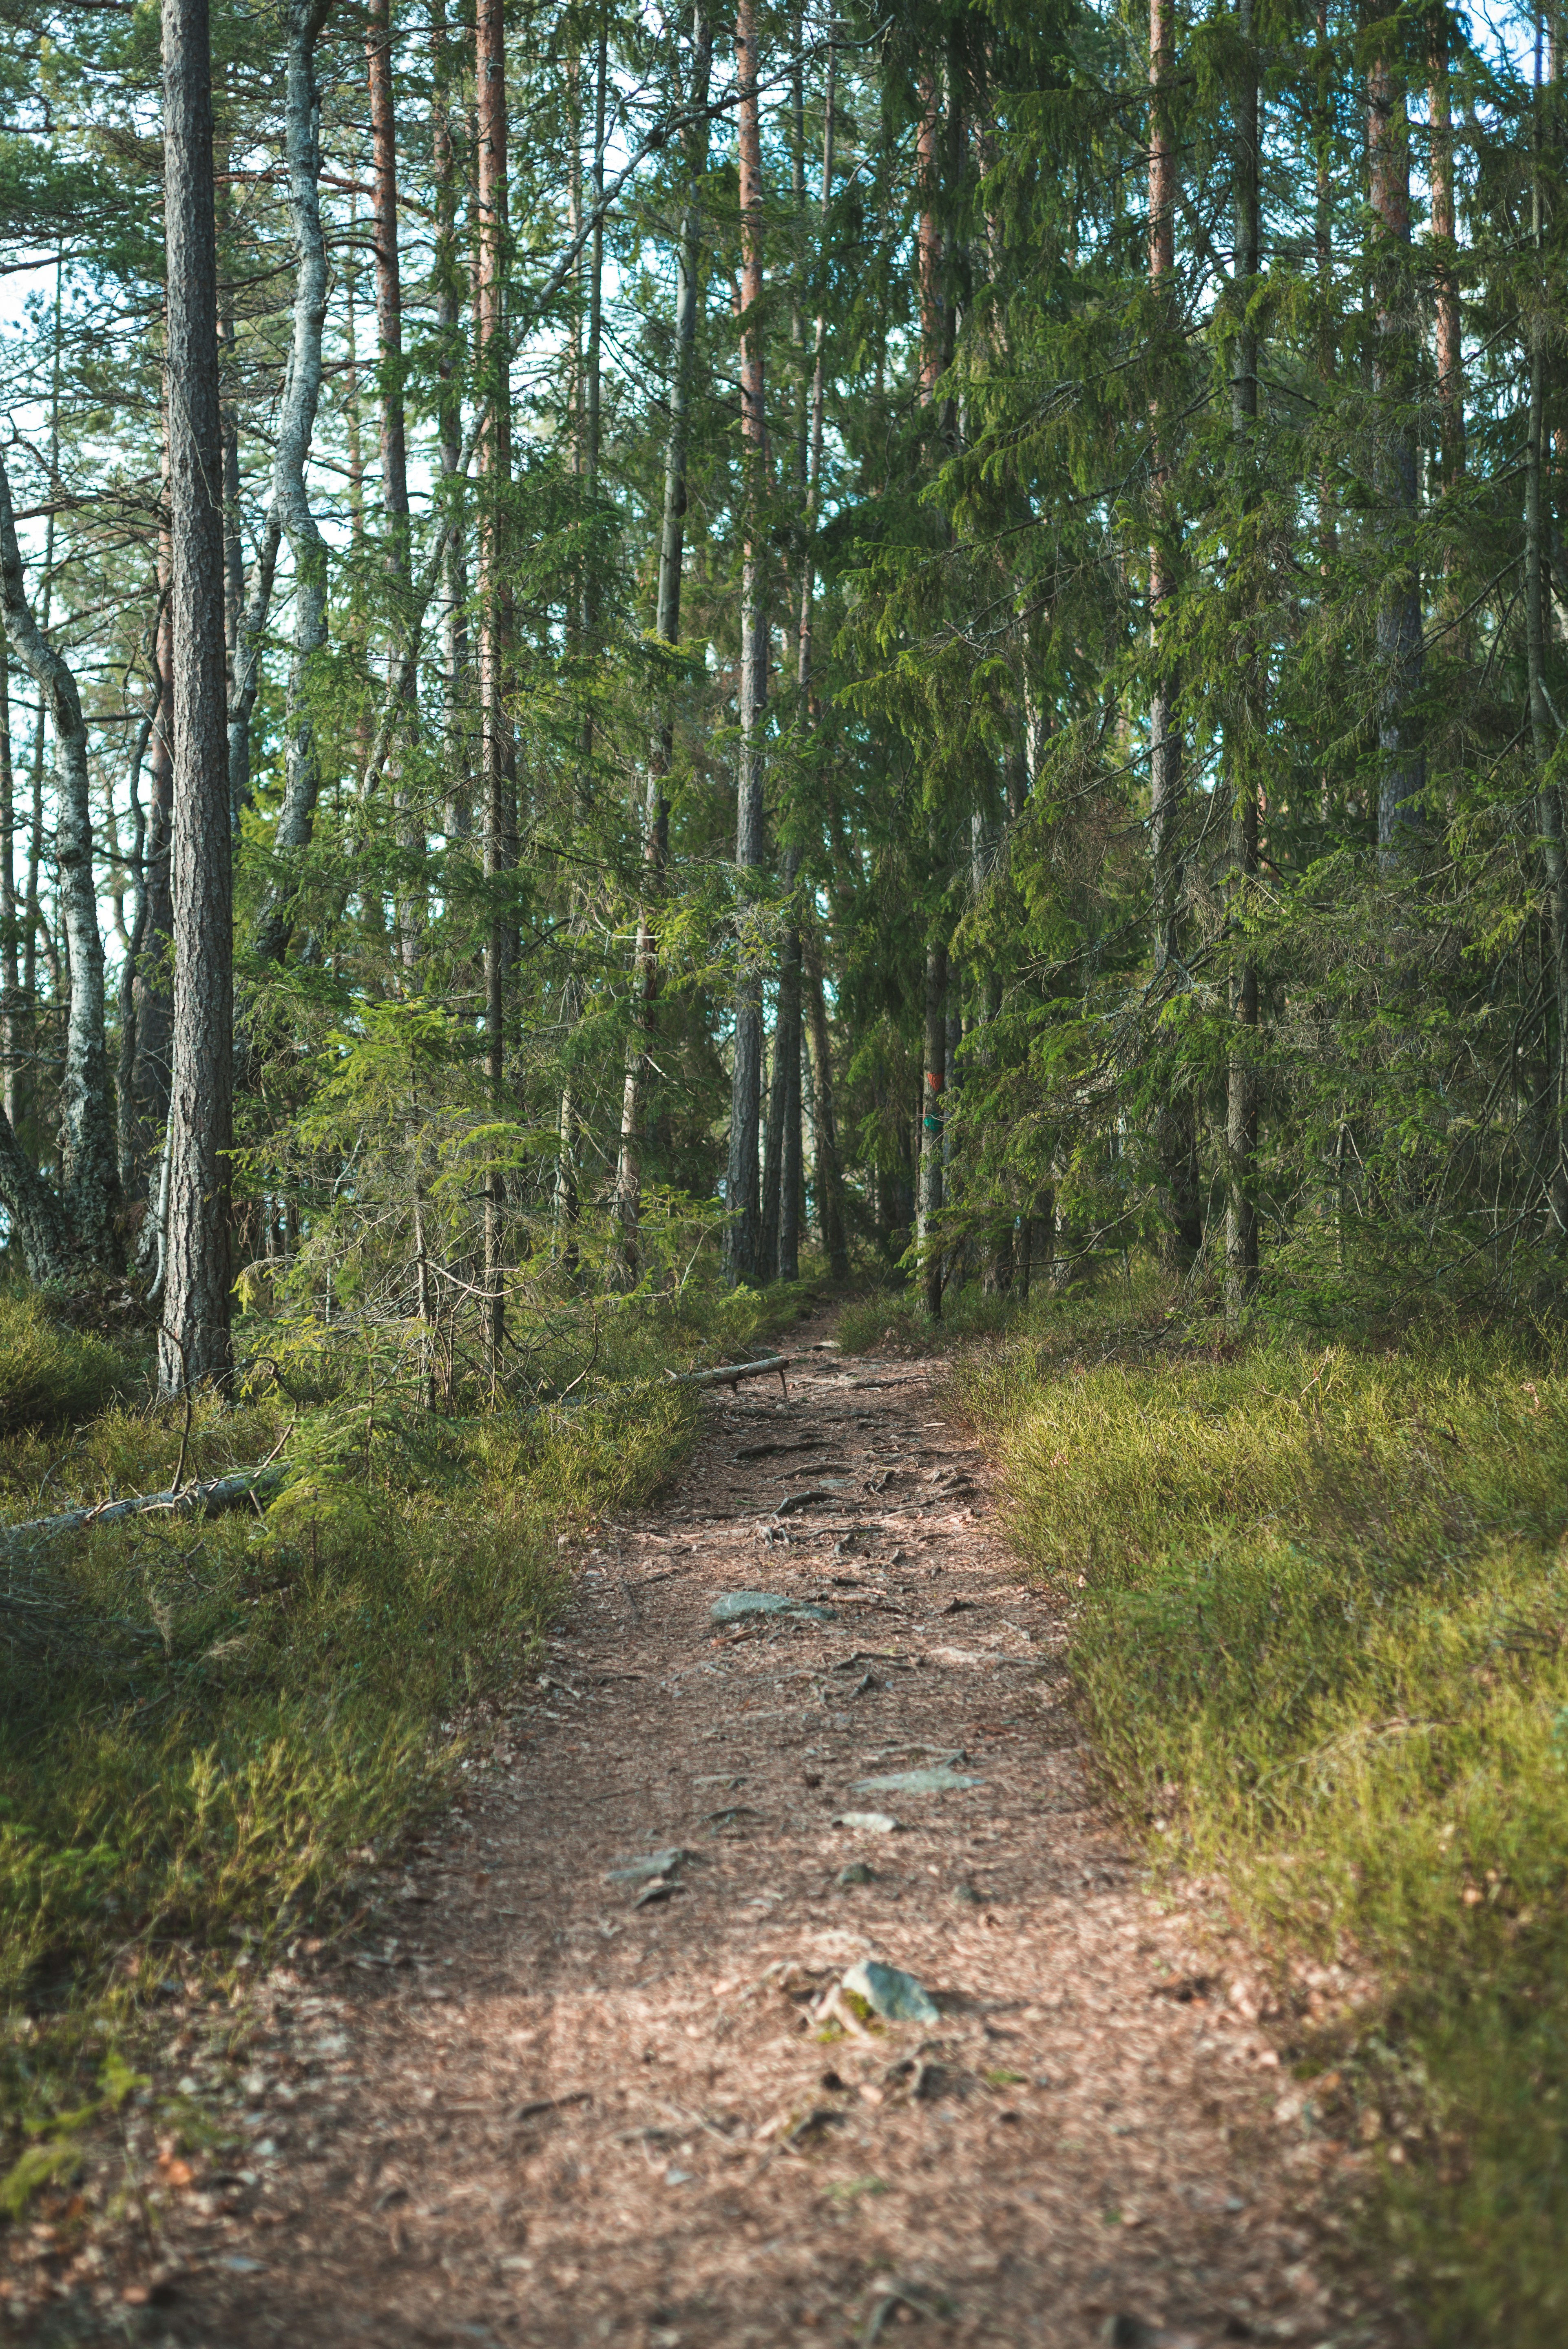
537,2109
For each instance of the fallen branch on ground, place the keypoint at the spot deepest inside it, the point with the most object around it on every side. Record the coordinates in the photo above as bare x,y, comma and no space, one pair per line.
731,1373
209,1500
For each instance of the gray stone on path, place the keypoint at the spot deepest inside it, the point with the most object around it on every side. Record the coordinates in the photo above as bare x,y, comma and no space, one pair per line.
869,1822
896,1997
916,1782
736,1604
658,1863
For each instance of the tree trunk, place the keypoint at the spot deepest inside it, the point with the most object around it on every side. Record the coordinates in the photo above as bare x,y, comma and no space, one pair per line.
1445,255
10,932
154,981
743,1238
1323,128
291,497
1175,1135
448,293
495,607
1402,766
133,1134
1164,732
1548,796
667,627
1240,1076
931,1125
194,1339
830,1167
781,1238
411,908
928,244
247,664
88,1157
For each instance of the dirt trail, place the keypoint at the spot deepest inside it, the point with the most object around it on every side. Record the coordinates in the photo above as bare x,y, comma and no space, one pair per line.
549,2109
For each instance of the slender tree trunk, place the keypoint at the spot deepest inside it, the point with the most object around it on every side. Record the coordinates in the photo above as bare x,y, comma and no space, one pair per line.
132,1135
234,549
1543,734
394,452
495,609
1164,732
154,982
1323,239
194,1339
1402,776
817,401
780,1224
928,243
448,293
1176,1141
667,628
824,1123
933,1124
291,496
567,1203
1240,1079
780,1209
248,634
1445,255
89,1156
10,932
741,1194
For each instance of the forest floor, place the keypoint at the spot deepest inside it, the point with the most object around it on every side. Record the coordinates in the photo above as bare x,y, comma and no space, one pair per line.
542,2102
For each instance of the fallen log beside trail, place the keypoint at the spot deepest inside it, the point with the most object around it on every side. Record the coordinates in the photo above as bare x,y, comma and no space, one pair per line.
208,1500
729,1374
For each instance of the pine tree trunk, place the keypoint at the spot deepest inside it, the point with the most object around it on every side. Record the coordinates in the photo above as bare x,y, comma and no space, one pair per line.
10,934
824,1121
154,982
495,609
449,295
194,1343
932,1126
667,627
1243,731
1402,766
1175,1138
411,908
781,1227
1450,336
742,1204
1544,736
291,496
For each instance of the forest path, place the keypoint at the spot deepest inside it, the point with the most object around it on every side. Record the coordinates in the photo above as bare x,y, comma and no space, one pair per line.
563,2112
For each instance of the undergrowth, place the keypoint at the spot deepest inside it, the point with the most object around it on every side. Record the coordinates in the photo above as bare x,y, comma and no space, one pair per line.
1320,1598
210,1729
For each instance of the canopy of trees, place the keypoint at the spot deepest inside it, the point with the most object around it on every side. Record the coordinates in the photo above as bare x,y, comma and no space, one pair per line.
940,635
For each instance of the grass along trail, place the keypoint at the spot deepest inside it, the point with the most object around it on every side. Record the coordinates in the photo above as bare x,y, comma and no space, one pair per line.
583,2089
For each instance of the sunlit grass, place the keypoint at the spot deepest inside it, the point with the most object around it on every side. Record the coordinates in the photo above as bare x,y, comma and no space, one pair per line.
1321,1630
